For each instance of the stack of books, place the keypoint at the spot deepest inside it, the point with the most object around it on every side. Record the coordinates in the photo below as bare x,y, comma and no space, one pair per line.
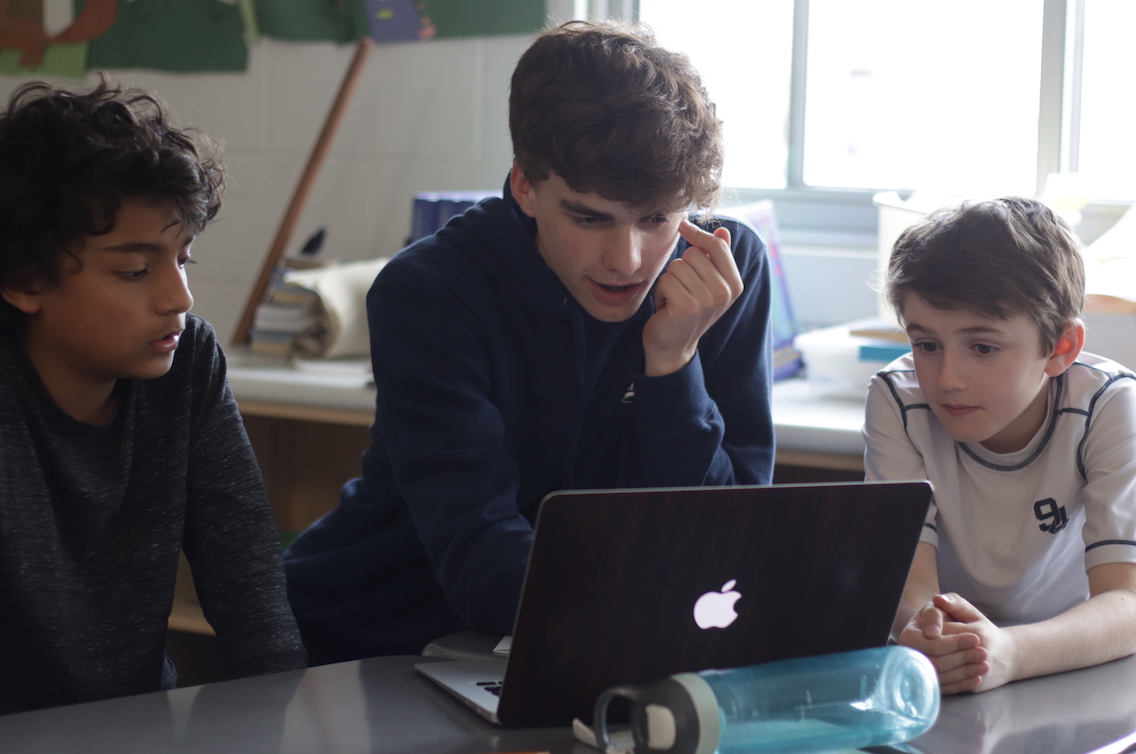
289,312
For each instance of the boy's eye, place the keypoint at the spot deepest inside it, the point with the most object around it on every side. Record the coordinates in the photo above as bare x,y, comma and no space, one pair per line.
984,349
925,347
586,220
657,219
131,275
186,262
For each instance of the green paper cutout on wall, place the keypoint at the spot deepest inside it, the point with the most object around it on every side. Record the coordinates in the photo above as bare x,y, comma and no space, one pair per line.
313,20
347,20
58,60
22,28
172,35
485,18
248,18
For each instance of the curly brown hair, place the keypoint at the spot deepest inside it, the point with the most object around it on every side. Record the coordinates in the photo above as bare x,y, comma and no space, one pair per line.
67,161
1012,255
611,112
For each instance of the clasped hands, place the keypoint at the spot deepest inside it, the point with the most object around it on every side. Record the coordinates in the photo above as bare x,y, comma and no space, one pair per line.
968,651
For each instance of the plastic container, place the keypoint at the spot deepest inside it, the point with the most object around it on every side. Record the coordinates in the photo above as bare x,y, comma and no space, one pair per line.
894,216
871,697
839,362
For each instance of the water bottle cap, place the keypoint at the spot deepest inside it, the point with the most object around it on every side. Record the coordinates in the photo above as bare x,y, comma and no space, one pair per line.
677,715
704,736
660,727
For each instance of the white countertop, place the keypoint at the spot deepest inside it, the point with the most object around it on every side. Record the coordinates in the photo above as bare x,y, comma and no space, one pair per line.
803,421
340,385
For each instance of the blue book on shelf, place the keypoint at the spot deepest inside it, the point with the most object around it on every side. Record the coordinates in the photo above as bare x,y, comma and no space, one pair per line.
433,209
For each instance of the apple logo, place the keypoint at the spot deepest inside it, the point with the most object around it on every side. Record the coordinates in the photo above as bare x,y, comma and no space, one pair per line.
716,609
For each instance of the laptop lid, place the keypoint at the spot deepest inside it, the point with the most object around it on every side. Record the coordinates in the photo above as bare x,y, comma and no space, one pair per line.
630,586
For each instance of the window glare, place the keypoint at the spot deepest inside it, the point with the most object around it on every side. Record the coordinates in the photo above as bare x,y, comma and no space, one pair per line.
1107,158
906,94
917,95
743,51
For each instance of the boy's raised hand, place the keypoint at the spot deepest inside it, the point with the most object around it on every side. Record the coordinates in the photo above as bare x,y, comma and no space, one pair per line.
689,297
958,653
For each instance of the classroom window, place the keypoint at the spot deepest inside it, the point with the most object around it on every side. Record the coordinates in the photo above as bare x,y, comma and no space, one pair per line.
1104,152
746,65
911,95
906,94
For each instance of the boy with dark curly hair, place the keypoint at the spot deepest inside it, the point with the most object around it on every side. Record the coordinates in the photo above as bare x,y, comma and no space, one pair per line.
581,332
120,441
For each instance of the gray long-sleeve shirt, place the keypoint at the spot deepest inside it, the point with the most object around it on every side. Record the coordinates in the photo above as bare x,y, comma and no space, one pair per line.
92,519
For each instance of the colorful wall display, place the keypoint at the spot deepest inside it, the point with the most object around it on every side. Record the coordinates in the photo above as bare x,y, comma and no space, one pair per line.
214,35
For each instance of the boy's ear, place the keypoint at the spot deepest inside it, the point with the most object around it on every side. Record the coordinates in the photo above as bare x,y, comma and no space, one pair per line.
522,189
24,297
1066,350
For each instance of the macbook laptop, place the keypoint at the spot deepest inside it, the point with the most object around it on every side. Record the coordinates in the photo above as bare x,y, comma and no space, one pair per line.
630,586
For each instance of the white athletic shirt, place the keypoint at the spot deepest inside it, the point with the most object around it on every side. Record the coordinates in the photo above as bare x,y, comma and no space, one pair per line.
1017,532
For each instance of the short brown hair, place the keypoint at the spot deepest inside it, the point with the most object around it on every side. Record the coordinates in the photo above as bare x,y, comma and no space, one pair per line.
611,112
997,258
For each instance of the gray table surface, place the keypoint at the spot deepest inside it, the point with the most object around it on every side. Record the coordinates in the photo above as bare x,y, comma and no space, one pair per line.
383,705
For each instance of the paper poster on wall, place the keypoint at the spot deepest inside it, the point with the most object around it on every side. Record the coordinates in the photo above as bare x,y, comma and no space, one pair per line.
486,18
168,35
397,20
313,20
58,60
27,39
171,35
213,35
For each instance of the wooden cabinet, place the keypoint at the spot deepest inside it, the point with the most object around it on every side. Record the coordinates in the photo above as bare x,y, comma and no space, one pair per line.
304,464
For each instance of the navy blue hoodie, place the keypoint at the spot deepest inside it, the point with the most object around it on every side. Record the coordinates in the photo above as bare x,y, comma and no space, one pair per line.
495,388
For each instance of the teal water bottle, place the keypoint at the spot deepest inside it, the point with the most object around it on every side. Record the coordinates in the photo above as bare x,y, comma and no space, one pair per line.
870,697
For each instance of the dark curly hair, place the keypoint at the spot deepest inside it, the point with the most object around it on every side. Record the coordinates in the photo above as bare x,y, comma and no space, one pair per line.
611,112
67,161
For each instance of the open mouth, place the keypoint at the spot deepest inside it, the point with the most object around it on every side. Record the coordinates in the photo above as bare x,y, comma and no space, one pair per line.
615,295
167,342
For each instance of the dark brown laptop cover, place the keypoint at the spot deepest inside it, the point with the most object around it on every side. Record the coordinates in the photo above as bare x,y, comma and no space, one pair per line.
614,575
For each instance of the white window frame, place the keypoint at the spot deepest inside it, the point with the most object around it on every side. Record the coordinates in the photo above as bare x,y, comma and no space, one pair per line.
847,217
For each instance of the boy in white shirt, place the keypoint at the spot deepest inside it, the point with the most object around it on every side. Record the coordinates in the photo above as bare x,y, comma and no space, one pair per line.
1027,564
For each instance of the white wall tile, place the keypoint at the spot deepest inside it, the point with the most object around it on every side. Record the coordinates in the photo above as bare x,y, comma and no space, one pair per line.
500,59
221,305
227,106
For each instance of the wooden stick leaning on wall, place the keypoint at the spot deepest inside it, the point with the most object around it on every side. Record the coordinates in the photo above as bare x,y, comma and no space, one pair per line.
304,187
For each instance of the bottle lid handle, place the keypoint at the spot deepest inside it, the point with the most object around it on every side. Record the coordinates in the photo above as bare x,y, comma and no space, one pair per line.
599,716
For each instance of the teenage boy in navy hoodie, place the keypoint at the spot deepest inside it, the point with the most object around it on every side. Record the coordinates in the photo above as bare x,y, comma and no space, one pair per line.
581,332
